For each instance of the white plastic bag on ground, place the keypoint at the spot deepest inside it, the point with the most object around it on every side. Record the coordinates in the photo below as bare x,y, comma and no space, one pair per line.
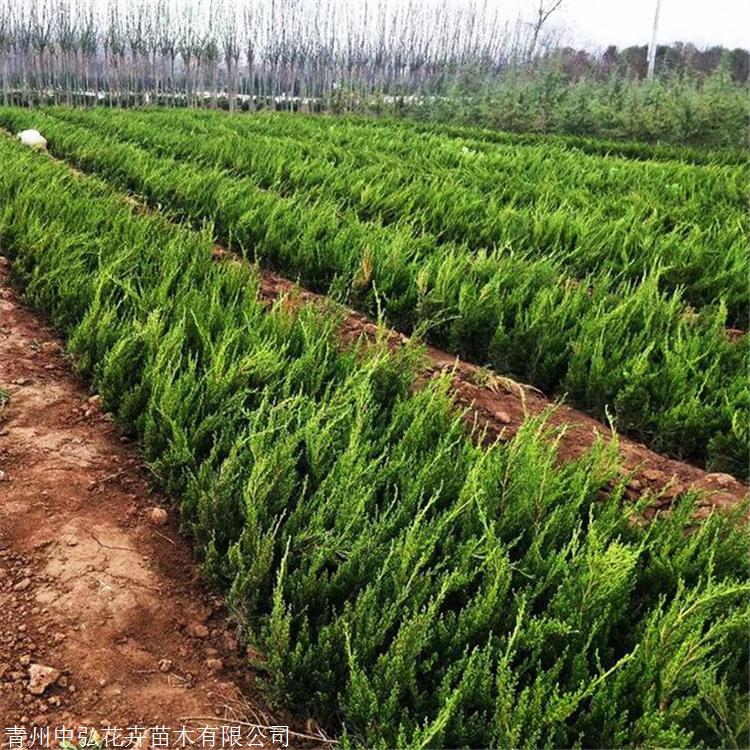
33,139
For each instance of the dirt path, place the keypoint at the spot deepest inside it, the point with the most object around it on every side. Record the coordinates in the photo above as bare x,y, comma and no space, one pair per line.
93,582
501,406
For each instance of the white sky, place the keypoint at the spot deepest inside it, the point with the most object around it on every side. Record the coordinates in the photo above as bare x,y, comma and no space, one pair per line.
596,23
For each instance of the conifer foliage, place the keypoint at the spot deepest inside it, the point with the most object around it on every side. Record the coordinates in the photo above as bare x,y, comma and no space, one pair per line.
599,278
407,586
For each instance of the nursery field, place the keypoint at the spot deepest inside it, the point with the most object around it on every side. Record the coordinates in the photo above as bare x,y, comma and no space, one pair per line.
402,580
619,283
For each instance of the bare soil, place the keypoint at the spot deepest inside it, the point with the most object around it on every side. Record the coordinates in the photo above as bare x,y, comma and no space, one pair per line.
95,580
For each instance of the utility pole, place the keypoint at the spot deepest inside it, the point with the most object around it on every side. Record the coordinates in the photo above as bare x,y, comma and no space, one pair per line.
652,46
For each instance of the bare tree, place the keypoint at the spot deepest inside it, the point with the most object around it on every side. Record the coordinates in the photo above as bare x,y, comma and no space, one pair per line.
280,53
231,50
543,13
6,48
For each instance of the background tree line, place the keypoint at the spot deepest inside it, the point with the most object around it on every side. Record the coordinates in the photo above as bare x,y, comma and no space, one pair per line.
434,61
683,59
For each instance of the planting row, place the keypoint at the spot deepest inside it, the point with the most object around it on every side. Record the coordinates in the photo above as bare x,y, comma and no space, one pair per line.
590,213
401,135
407,587
556,171
730,156
669,378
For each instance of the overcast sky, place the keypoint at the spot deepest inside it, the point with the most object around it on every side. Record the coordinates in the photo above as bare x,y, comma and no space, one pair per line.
597,23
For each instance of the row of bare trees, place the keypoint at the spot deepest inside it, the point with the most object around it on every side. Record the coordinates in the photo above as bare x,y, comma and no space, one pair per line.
293,53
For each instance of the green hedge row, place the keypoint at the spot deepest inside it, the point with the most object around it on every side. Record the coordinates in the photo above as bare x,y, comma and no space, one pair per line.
669,378
590,214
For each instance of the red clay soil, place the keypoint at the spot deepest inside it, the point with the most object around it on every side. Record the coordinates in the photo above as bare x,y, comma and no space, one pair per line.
95,581
500,406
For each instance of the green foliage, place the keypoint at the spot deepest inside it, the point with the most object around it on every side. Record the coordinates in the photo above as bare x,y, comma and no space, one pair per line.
614,340
592,213
408,587
671,111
